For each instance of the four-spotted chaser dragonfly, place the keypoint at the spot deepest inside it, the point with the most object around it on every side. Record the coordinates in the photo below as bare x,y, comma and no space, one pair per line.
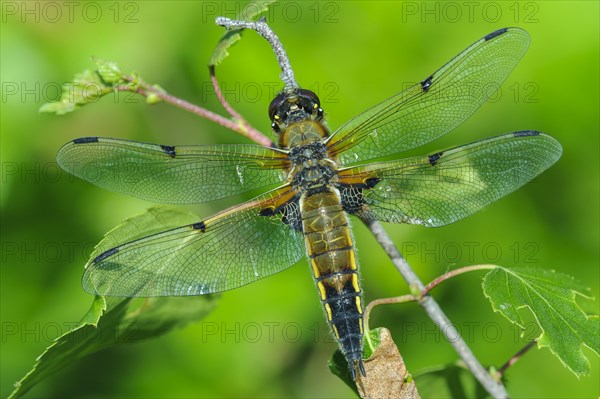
313,180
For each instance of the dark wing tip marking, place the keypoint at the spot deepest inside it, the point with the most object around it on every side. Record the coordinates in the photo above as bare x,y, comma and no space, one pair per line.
85,140
199,226
426,84
105,255
435,157
372,181
525,133
495,34
168,149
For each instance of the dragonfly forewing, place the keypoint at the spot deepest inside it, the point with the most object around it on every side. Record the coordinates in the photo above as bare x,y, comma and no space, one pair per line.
435,106
173,175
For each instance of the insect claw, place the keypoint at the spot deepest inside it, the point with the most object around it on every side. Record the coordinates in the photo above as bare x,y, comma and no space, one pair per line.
361,366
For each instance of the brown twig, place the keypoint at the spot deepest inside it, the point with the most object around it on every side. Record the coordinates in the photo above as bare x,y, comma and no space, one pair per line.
143,88
252,133
514,359
383,301
434,283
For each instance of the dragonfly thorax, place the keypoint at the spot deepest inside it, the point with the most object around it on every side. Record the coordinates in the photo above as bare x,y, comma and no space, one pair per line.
314,177
311,168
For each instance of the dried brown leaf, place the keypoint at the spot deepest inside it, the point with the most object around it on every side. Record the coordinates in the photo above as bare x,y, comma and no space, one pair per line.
387,376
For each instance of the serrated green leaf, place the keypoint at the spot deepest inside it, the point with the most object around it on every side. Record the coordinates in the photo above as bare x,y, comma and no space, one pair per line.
551,298
449,381
114,321
86,88
109,71
250,11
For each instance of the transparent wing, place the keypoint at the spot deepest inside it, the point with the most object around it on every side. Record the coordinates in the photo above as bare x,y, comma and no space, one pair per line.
233,248
175,175
451,185
435,106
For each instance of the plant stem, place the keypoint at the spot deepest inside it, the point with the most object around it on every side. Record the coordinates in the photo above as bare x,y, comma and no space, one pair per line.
494,388
252,133
383,301
434,283
514,359
141,87
261,27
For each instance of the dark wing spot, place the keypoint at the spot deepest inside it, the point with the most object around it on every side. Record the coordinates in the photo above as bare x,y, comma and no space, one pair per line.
525,133
372,181
105,255
168,149
426,84
495,34
199,226
267,212
85,140
435,157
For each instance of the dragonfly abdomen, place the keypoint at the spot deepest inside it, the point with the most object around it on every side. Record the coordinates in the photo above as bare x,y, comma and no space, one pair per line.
332,257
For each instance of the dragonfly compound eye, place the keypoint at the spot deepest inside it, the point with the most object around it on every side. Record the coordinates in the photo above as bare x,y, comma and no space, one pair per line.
276,104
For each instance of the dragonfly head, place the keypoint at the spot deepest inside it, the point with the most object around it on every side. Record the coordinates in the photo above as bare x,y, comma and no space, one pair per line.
298,106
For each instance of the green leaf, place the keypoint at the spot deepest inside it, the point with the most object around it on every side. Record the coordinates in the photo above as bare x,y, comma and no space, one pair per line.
109,71
339,367
86,88
114,321
89,86
250,11
373,339
449,381
551,298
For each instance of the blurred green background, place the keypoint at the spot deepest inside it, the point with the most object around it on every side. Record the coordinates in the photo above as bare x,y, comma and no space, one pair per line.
270,339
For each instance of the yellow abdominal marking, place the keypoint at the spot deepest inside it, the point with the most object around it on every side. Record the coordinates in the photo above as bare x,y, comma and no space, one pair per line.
335,331
355,282
328,310
360,325
358,307
321,290
315,268
352,260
